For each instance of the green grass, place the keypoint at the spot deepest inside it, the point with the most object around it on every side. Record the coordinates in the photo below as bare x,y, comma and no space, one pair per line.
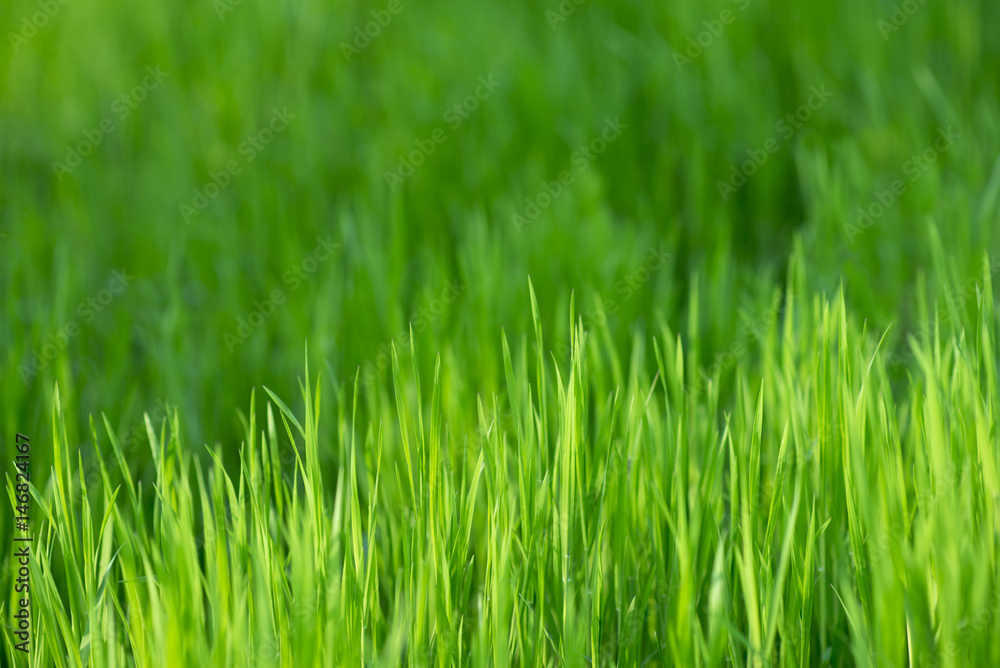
823,518
758,430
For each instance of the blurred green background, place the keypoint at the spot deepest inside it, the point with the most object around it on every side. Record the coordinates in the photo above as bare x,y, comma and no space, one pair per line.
654,188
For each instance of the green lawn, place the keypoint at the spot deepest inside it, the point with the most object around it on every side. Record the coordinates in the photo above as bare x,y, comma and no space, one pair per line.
546,333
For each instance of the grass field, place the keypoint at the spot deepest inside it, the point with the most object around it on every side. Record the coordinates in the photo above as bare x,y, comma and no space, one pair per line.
531,334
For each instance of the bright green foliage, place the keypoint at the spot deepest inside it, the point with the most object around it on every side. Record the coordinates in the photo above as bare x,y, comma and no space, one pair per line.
827,517
733,419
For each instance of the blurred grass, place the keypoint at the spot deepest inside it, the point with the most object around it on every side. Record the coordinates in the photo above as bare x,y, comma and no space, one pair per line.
324,175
